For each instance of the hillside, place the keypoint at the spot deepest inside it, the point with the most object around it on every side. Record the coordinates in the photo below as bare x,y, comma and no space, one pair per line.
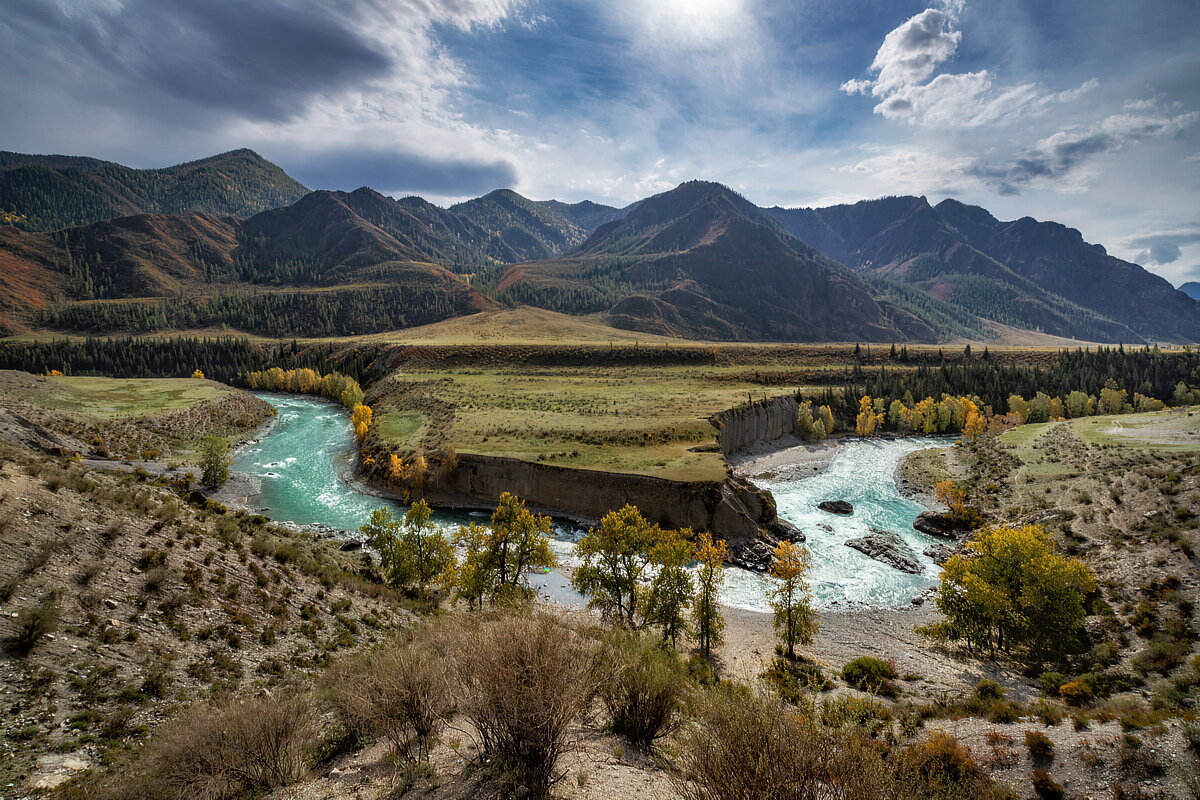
1191,289
701,262
1036,275
44,193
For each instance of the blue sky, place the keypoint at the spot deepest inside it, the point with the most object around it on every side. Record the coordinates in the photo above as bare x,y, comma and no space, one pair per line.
1083,112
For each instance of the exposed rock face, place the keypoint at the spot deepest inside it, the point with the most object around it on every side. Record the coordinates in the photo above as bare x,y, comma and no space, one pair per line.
734,510
836,506
935,524
760,421
888,549
939,553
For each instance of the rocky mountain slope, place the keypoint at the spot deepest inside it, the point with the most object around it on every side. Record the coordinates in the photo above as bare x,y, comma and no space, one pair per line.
43,193
702,262
1036,275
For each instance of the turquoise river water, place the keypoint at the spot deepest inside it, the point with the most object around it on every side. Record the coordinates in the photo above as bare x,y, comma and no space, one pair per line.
304,462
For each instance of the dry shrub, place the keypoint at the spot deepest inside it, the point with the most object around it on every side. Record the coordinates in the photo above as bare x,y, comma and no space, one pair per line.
523,679
644,689
219,752
744,746
398,693
940,767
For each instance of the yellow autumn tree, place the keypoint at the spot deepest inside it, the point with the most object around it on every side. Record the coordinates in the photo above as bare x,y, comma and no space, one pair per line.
867,420
198,375
975,423
706,608
796,620
360,418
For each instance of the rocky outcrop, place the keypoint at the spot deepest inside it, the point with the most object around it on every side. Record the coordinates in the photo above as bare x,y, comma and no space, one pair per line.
935,524
836,506
759,421
939,553
889,549
734,510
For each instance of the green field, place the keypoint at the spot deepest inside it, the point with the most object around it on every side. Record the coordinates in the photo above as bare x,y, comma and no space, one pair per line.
642,419
108,398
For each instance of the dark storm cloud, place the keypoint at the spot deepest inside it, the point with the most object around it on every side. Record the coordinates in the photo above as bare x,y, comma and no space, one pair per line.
351,168
262,60
1164,248
1054,158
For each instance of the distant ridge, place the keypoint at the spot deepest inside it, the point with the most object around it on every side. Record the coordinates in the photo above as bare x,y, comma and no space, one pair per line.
44,193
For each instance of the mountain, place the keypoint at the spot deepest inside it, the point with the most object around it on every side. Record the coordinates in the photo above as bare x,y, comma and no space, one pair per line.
43,193
1191,289
701,261
517,229
1036,275
343,272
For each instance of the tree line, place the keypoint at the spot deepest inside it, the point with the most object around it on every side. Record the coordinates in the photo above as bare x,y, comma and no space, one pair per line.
1074,383
221,358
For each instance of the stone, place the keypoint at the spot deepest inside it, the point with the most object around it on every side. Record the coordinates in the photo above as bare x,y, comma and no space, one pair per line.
935,524
836,506
110,603
887,548
351,544
939,553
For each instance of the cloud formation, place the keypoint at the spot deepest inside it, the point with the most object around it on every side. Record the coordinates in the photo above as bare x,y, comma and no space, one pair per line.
1063,153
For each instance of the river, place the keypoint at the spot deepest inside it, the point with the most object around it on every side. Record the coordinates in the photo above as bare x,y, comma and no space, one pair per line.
305,463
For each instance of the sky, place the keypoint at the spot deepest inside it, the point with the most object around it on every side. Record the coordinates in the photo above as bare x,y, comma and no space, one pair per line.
1082,111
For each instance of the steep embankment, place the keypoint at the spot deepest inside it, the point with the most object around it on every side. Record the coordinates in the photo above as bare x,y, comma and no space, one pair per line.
761,421
734,509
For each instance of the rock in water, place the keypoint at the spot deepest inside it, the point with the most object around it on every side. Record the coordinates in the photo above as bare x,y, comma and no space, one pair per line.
939,553
889,549
836,506
936,524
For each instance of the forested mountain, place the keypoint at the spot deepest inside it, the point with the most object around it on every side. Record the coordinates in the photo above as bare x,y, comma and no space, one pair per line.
1036,275
44,193
232,240
1191,289
701,261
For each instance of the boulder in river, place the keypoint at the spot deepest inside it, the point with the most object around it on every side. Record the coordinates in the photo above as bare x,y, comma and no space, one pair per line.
939,553
889,549
935,524
836,506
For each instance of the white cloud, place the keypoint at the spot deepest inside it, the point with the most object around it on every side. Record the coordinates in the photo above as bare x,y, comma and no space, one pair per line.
907,89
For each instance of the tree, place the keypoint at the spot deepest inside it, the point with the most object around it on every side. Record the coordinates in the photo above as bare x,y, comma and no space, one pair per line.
1039,408
706,611
616,557
867,420
412,551
671,590
360,418
975,423
198,375
501,554
795,618
214,462
826,416
1011,590
1017,405
1112,398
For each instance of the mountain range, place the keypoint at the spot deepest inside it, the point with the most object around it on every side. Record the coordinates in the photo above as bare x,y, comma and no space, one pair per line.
232,240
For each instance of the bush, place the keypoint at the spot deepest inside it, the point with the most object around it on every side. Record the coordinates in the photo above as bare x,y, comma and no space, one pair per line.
219,752
398,693
1041,749
1049,683
1045,787
988,690
871,674
793,678
523,679
941,767
644,688
33,624
1075,693
745,745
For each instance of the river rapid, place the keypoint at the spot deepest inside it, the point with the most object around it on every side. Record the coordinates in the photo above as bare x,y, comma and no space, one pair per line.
304,463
